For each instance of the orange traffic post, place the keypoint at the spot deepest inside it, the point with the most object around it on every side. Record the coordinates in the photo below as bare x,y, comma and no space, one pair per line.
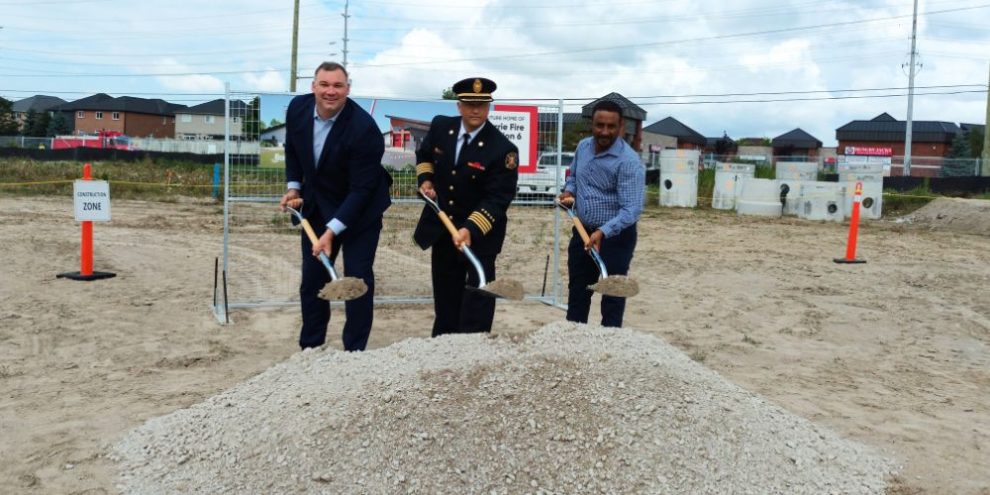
86,249
853,228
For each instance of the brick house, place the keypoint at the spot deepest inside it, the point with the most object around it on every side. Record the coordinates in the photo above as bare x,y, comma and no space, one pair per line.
135,117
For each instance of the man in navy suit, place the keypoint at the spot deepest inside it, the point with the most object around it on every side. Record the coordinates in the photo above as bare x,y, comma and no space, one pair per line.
333,162
469,167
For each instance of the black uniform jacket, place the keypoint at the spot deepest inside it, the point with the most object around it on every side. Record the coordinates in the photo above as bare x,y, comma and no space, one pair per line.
475,192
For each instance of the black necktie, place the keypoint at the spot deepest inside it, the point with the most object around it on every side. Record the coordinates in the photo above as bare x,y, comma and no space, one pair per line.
467,137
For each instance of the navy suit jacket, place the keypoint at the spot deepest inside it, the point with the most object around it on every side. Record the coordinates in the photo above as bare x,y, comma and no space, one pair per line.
350,183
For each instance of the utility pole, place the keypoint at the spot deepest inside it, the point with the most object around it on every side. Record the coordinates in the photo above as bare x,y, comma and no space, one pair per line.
295,47
910,109
346,16
985,166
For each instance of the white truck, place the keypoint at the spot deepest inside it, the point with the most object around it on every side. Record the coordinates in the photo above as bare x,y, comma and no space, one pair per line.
544,181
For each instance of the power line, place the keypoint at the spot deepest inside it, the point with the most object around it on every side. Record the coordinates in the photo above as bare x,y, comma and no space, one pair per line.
673,42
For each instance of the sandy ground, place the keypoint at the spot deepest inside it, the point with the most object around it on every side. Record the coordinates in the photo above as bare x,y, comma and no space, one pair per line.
892,353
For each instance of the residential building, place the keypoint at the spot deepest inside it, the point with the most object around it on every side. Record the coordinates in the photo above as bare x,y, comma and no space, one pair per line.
36,103
796,145
131,116
207,121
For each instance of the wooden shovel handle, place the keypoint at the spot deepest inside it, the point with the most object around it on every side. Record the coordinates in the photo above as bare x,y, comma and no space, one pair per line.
447,223
309,231
580,228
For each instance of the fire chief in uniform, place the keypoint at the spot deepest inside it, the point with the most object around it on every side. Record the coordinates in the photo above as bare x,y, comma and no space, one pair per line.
470,168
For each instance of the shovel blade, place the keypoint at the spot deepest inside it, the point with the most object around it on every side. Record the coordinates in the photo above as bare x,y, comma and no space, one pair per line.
344,289
503,287
617,286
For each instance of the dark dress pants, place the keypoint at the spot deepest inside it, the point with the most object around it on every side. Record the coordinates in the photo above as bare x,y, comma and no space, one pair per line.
457,309
359,247
582,271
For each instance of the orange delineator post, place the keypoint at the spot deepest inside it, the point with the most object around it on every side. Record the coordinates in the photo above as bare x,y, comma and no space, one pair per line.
86,251
853,228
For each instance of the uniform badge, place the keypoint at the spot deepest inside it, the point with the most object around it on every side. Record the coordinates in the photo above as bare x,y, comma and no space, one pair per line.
511,160
476,165
476,86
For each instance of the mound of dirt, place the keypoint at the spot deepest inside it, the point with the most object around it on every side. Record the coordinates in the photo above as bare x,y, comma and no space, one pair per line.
970,216
567,409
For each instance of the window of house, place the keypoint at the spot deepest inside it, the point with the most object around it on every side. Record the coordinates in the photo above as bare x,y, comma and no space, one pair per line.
115,116
185,118
164,120
209,119
99,115
80,114
236,120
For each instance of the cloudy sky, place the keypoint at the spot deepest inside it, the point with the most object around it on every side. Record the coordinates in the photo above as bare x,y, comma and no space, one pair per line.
750,68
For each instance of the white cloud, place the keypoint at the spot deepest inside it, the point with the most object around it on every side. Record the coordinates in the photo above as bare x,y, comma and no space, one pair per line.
637,48
270,80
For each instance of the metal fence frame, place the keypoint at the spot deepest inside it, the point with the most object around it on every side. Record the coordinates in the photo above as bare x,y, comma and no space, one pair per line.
236,195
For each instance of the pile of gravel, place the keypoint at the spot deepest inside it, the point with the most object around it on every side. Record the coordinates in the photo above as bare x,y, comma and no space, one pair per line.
567,409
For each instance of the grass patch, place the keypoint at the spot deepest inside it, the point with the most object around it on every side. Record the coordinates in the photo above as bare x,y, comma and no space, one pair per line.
899,203
145,179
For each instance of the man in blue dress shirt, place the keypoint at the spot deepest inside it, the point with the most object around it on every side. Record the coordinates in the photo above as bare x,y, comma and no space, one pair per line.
606,187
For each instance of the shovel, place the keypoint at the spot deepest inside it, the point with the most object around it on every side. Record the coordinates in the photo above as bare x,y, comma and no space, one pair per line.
338,289
609,285
503,287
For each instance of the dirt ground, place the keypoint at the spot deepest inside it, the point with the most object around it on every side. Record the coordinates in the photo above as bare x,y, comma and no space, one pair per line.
894,353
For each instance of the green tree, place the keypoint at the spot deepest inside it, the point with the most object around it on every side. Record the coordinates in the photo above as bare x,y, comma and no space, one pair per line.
29,121
36,124
724,145
975,136
275,122
57,126
8,126
448,94
960,147
252,121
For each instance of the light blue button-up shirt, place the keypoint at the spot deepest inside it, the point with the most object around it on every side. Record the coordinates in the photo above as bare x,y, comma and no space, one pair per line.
608,187
321,129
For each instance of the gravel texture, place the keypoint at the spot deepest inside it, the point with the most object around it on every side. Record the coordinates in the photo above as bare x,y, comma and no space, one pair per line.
567,409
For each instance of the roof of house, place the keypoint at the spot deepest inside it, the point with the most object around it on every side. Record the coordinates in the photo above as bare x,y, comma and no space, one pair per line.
885,128
674,128
796,138
216,107
713,141
551,117
107,103
629,109
38,103
977,128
